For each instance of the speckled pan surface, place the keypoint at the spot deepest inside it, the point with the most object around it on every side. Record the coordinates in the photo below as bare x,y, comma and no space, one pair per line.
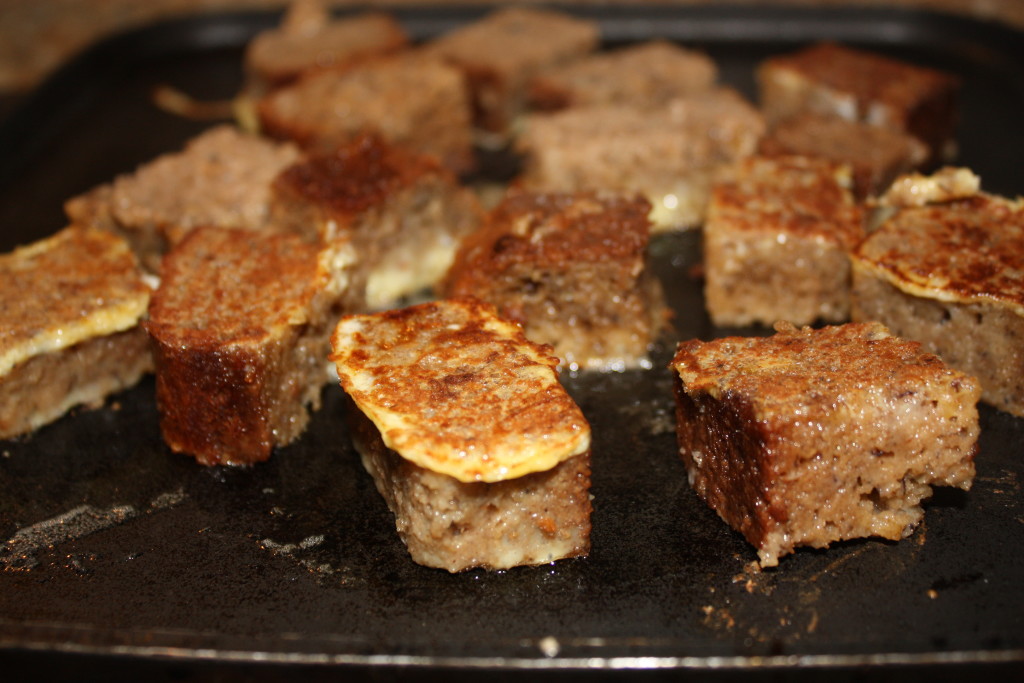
113,546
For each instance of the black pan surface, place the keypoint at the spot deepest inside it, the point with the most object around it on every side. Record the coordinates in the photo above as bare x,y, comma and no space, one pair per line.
117,553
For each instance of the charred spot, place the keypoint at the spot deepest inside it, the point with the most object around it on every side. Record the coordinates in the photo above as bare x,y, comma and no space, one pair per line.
504,243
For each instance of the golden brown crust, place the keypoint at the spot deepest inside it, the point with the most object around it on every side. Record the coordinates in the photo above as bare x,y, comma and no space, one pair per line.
240,330
459,391
77,284
355,176
814,436
966,250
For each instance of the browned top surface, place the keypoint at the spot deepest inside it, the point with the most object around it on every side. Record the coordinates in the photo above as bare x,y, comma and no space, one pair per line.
516,41
386,94
653,71
791,195
868,76
785,374
77,284
967,250
222,177
457,390
552,230
309,39
234,285
356,176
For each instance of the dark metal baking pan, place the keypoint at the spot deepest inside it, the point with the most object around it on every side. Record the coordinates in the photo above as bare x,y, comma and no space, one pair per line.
118,554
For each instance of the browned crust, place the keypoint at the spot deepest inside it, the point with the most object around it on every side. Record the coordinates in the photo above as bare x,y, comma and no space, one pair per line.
967,250
233,308
813,436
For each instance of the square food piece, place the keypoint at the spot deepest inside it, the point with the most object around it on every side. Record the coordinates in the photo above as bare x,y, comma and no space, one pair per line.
221,178
814,436
570,269
70,306
309,39
950,274
241,329
669,154
653,72
501,52
876,156
863,86
409,100
777,241
481,455
402,212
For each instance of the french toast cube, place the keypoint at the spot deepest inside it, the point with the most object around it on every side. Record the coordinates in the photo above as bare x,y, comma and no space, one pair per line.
668,153
777,240
876,155
860,85
947,269
571,269
310,39
651,72
240,328
409,99
70,306
220,178
809,437
500,52
481,455
402,212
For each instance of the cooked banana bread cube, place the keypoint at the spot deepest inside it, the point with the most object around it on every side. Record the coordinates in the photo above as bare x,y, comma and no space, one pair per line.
859,85
669,154
501,52
653,72
950,274
876,156
241,329
310,39
481,455
814,436
402,212
777,241
570,268
70,305
410,100
221,178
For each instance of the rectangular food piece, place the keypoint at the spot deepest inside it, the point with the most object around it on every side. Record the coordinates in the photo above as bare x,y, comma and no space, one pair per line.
947,269
309,39
876,156
481,455
402,213
502,51
70,306
669,153
221,178
409,100
859,85
241,329
570,268
777,240
653,72
814,436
